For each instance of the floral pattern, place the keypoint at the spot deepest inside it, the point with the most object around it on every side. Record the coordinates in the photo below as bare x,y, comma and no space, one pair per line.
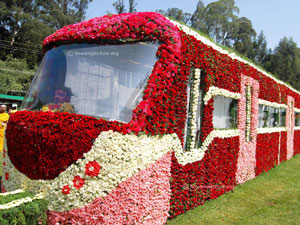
79,162
150,187
246,161
120,156
78,182
66,189
92,169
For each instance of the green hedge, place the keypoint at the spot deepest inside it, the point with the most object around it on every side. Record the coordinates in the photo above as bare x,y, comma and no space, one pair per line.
30,213
8,198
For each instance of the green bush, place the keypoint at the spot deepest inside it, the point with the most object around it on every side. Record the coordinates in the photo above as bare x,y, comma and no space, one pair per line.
30,213
8,198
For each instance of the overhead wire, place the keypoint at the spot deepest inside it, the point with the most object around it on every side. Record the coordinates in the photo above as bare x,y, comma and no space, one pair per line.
5,46
19,43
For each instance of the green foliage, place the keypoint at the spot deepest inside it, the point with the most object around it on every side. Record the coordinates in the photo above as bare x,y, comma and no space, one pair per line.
285,62
260,51
29,213
176,14
132,5
198,18
15,75
220,20
244,36
8,198
24,24
119,6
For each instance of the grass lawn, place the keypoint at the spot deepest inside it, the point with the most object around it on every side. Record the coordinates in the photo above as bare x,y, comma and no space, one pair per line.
271,198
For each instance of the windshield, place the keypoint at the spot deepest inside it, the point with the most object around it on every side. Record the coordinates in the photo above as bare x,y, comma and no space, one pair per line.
104,81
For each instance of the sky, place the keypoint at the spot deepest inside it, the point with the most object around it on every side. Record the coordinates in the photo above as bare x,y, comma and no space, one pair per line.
276,18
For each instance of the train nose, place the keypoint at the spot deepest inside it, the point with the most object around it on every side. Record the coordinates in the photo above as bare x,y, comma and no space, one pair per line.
41,145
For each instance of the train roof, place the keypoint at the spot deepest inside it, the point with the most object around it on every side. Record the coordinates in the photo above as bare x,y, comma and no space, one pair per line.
223,50
150,26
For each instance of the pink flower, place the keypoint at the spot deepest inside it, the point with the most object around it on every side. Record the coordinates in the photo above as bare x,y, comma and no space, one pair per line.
78,182
92,169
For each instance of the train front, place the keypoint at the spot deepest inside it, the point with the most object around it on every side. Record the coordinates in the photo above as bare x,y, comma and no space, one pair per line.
98,126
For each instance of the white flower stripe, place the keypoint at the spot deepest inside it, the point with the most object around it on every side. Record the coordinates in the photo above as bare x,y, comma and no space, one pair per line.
197,154
194,102
213,91
271,104
296,110
21,201
120,157
270,130
12,192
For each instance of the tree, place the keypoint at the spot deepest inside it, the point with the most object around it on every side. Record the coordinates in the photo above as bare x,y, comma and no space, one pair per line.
220,20
244,36
24,24
132,5
119,6
285,62
21,30
260,51
198,18
81,6
177,14
15,75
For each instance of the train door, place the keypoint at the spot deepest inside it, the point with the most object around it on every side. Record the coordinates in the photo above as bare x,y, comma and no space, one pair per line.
290,124
247,117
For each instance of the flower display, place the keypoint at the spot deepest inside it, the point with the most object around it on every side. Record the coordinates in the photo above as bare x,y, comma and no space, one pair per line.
124,205
266,152
246,160
283,147
6,176
297,142
120,157
78,182
92,169
98,171
290,124
66,189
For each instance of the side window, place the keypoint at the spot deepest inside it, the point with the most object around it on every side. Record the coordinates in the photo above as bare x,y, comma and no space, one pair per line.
297,119
274,120
268,116
225,112
282,117
194,113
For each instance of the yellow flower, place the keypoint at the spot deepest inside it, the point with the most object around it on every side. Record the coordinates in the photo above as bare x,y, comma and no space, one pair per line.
45,108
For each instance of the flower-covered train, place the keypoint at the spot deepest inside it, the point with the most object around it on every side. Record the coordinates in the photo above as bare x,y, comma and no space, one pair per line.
134,118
